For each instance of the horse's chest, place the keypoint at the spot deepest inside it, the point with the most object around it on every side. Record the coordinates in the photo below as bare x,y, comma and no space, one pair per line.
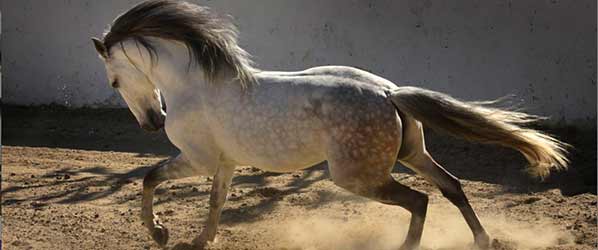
190,133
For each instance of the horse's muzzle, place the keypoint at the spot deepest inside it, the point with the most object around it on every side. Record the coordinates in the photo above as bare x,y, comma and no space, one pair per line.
154,121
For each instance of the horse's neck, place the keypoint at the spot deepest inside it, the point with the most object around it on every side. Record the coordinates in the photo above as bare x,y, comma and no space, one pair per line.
180,82
170,71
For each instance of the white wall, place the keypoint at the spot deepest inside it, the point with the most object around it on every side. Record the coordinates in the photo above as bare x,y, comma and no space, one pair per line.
542,51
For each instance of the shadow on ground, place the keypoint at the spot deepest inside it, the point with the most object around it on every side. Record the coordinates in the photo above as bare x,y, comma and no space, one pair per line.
79,185
85,128
493,164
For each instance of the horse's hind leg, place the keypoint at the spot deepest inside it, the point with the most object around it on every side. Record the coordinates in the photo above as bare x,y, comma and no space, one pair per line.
174,168
370,177
395,193
451,189
414,155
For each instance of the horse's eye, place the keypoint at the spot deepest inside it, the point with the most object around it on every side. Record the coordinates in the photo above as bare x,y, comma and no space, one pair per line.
114,84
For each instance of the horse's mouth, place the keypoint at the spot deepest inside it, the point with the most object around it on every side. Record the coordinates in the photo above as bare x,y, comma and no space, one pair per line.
154,122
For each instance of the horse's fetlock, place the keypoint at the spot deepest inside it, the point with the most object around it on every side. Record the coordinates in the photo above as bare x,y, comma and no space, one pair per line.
146,216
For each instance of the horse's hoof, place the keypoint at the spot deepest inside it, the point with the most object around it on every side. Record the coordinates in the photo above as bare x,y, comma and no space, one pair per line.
482,241
160,235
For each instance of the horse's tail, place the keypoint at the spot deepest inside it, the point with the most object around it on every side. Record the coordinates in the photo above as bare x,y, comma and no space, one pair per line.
476,121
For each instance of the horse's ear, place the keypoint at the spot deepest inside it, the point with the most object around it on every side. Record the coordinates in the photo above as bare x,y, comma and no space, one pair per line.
100,47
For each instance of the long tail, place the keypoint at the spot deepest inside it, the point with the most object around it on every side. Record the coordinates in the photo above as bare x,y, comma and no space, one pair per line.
476,121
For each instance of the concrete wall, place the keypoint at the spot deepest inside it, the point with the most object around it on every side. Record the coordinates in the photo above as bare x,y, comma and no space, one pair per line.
542,51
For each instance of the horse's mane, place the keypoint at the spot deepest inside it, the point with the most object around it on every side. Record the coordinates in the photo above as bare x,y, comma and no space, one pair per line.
211,40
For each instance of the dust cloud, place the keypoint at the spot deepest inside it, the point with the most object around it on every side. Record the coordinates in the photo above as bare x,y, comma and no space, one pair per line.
383,227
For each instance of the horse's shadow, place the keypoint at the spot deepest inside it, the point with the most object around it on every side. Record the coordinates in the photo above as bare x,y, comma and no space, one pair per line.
69,186
82,185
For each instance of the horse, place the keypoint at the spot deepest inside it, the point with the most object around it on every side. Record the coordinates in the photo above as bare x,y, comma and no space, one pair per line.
224,112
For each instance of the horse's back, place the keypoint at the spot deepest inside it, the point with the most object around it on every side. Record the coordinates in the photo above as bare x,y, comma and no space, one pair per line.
341,73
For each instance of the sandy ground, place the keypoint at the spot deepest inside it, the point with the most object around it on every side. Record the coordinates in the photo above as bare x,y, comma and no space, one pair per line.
72,180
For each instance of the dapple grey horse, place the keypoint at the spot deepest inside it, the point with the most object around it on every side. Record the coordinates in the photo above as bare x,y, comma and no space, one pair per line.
223,112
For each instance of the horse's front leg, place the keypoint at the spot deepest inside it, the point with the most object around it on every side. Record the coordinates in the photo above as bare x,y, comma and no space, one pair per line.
220,186
174,168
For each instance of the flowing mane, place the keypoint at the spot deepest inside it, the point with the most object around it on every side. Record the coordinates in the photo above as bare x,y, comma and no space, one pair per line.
211,40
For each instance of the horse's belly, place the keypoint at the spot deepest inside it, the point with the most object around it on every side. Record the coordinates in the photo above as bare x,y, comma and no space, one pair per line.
278,155
275,149
284,159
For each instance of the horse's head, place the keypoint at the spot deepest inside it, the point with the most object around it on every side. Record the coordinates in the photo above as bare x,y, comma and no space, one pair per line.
139,92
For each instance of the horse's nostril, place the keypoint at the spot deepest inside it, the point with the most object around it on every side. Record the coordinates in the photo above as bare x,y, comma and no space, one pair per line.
154,120
159,120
